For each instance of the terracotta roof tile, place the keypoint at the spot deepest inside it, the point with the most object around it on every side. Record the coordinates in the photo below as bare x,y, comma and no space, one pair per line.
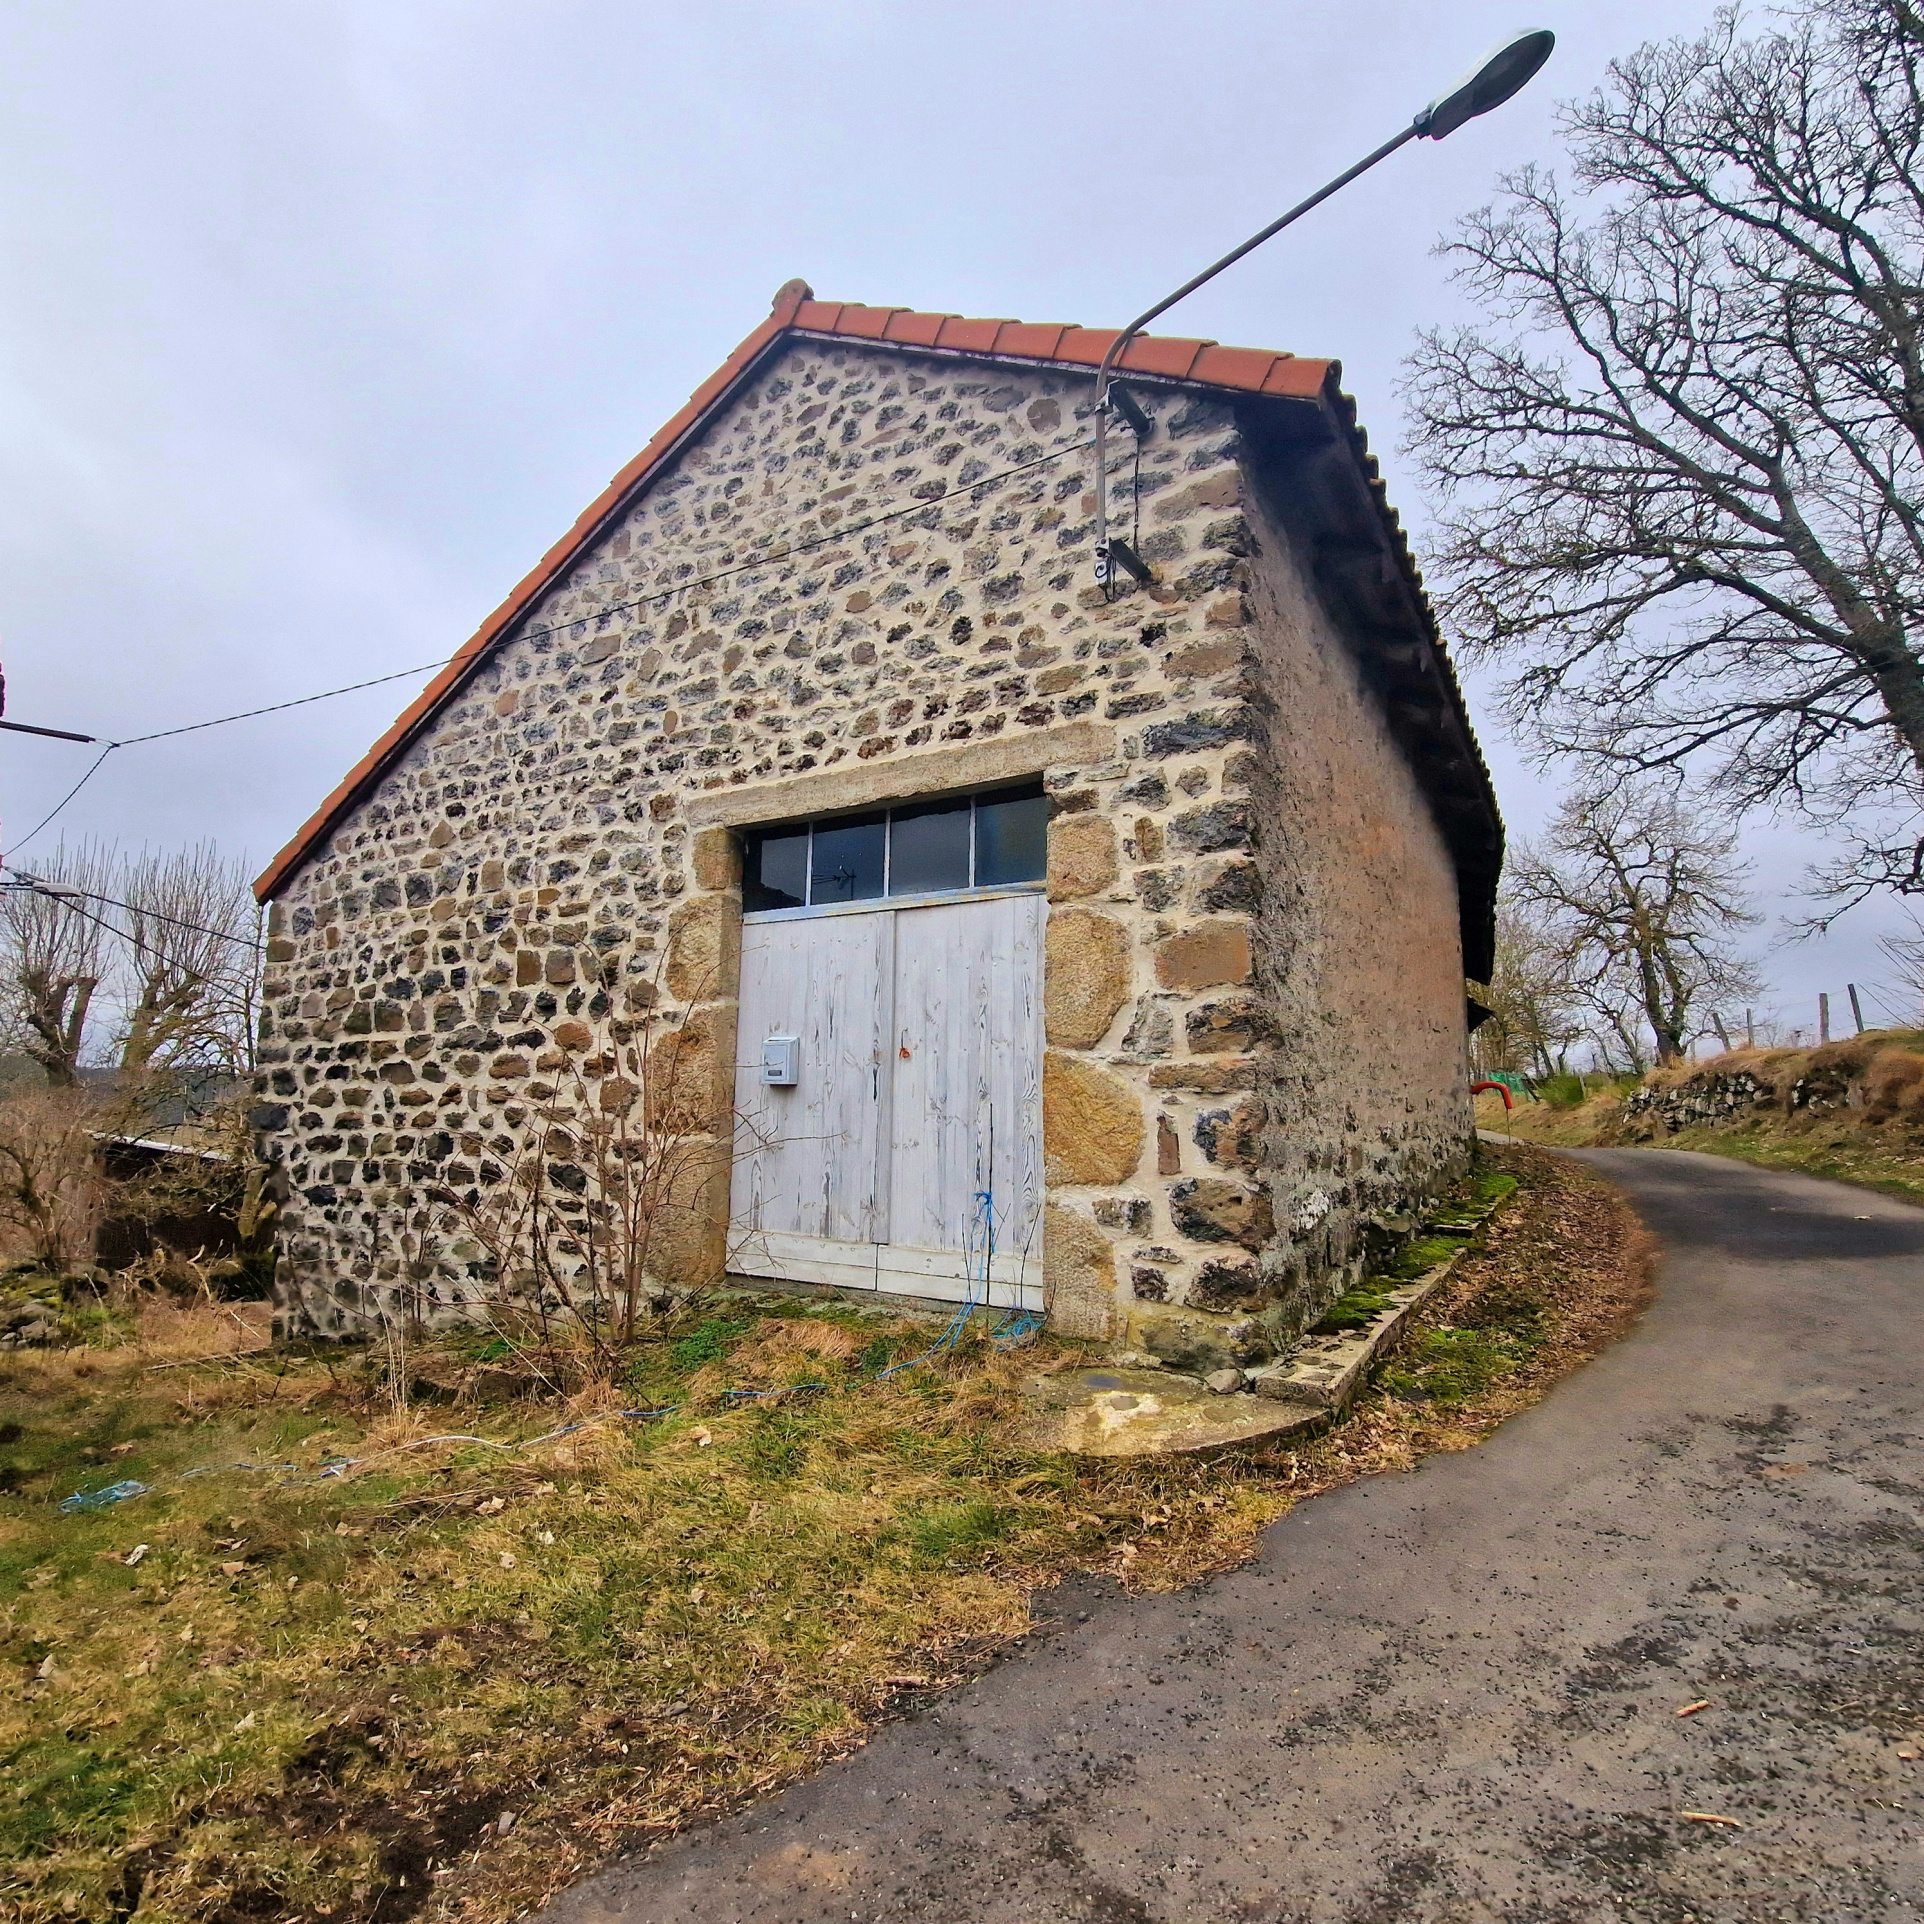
1300,380
916,330
1244,367
1086,346
1031,341
969,337
865,323
1246,370
1162,354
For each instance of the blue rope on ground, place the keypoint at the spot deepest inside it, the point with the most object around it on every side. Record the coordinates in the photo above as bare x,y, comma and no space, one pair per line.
102,1499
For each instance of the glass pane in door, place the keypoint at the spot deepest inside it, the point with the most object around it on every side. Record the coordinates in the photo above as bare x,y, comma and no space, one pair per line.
929,848
847,865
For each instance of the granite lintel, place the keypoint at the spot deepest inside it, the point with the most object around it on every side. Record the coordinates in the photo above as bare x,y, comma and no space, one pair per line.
901,777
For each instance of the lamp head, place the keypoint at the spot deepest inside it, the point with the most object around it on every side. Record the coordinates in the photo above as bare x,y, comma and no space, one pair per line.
1501,73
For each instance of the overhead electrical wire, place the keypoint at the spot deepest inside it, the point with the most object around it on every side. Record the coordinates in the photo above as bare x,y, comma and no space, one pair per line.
274,708
40,885
92,771
71,906
763,560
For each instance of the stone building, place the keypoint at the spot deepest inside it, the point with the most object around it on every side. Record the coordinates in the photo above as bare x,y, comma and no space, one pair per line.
1102,953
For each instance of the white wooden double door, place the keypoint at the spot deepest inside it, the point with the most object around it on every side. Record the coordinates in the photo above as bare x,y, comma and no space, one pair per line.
907,1157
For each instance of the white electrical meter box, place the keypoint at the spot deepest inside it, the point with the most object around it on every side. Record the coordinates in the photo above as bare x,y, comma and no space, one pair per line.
782,1061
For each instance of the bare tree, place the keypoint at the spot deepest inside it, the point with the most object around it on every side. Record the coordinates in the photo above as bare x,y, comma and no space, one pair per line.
163,946
1683,473
1532,1017
1643,901
55,953
189,926
1905,953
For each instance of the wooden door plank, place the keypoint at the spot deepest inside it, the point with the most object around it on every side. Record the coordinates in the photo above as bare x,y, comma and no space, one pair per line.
812,1152
966,1145
1024,1183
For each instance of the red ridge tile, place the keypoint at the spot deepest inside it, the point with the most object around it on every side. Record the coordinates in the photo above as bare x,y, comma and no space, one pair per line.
976,336
916,330
1086,346
865,323
1302,380
1030,339
1243,367
1161,354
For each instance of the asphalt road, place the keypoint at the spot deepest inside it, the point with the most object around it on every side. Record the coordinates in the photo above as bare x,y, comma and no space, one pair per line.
1452,1696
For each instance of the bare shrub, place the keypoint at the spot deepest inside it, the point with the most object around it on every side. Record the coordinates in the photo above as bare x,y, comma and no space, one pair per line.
574,1237
1905,953
52,1193
220,1176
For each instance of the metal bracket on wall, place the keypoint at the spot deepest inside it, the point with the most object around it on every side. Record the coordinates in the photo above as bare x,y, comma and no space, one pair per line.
1141,423
1125,557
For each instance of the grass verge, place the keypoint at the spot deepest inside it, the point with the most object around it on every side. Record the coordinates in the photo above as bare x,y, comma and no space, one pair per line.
448,1683
1836,1146
1833,1150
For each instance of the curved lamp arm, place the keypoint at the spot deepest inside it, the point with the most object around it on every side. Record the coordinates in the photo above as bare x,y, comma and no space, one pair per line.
1499,75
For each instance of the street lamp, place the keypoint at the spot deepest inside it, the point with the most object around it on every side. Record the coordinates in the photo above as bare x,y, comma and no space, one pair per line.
1502,73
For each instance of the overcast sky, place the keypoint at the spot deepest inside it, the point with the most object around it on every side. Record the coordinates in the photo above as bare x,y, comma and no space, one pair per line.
320,322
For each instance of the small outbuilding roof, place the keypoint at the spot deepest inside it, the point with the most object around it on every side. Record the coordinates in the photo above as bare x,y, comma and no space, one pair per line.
1425,703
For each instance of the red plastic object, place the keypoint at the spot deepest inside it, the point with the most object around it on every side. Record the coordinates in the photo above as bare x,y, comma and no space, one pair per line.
1509,1101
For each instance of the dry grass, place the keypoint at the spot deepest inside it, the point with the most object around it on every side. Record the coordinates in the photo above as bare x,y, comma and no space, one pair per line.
1825,1146
320,1697
1579,1126
1852,1111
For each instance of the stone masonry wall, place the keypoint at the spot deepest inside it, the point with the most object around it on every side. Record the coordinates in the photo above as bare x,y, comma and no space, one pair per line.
1366,1081
1323,1088
530,904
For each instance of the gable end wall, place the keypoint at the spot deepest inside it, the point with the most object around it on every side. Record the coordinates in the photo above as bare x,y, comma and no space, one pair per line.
545,880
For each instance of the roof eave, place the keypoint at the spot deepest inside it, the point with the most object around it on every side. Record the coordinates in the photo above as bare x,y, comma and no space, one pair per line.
1244,373
589,524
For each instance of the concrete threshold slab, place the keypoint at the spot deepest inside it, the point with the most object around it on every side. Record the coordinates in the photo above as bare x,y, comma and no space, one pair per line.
1141,1412
1135,1412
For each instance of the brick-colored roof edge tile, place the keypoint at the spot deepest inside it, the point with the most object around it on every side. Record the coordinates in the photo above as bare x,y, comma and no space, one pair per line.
1246,370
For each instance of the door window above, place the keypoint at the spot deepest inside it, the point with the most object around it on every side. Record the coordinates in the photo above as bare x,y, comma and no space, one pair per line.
848,860
929,848
989,840
1011,839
